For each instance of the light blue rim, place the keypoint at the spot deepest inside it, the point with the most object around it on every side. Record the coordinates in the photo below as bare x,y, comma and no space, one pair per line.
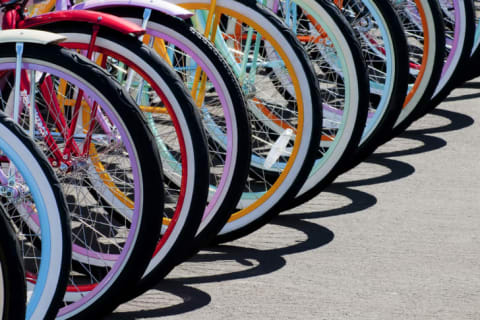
476,41
44,225
346,110
388,84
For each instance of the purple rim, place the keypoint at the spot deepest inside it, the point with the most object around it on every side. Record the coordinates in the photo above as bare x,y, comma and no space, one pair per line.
331,109
121,258
229,157
135,217
81,250
275,6
447,64
339,112
94,254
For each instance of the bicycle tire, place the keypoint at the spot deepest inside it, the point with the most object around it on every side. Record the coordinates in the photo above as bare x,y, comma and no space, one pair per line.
264,205
184,37
462,38
338,157
13,289
144,229
429,26
385,28
176,245
176,32
474,63
50,279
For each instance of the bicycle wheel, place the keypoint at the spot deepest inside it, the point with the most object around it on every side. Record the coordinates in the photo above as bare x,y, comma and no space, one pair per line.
459,18
87,139
221,103
13,291
37,211
422,21
476,42
178,134
472,71
283,103
267,124
384,48
342,76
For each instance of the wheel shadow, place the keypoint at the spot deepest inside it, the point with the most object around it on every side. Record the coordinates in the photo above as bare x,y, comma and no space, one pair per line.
170,292
466,85
457,121
396,169
245,261
471,84
464,97
256,262
245,257
428,143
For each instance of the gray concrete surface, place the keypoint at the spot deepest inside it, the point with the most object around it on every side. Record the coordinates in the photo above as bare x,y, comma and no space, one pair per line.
396,238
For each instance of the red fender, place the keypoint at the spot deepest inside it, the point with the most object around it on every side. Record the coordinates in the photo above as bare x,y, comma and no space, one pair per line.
102,19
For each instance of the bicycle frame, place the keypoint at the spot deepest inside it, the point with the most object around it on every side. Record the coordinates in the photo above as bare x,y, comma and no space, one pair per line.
99,20
14,19
8,183
244,70
198,85
85,113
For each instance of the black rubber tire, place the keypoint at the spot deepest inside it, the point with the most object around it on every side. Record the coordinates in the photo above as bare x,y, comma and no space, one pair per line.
178,28
64,217
13,282
463,65
201,172
395,30
303,174
438,33
351,150
472,70
149,163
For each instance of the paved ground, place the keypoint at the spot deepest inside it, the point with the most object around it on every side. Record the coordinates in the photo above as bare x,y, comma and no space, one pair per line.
396,238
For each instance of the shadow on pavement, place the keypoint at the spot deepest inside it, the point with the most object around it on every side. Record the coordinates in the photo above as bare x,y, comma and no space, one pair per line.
457,121
429,143
398,170
191,299
244,261
463,97
247,262
359,201
267,260
471,84
466,85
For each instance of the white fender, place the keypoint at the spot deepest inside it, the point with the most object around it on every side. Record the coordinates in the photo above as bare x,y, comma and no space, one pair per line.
30,36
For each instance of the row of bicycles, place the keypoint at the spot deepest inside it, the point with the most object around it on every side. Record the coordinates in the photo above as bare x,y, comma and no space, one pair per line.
133,133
